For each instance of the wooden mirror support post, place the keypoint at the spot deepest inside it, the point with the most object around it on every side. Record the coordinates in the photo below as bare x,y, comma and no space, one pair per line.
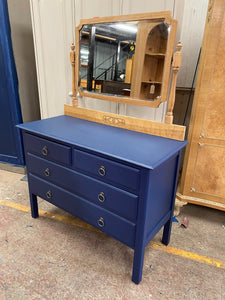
176,66
74,92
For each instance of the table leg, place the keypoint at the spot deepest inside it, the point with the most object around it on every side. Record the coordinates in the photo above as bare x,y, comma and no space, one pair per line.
167,231
139,254
34,205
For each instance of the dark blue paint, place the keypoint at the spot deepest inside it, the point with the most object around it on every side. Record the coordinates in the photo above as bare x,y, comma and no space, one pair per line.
139,184
108,140
122,229
116,200
11,150
128,176
47,149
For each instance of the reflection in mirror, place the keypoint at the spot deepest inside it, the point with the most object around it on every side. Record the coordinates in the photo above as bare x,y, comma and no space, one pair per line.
105,50
124,58
153,53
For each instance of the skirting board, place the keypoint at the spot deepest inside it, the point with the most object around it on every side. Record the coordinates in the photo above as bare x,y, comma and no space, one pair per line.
202,202
171,131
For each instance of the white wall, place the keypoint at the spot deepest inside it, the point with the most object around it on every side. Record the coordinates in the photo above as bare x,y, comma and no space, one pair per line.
23,48
53,28
191,36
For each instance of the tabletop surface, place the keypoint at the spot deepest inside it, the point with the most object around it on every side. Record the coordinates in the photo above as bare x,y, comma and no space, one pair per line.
137,148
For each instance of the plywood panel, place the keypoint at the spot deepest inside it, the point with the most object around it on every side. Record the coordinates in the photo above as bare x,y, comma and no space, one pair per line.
214,120
209,175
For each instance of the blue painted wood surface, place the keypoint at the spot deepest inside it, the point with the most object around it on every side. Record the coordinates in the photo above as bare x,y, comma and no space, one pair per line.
139,187
11,150
114,225
114,199
147,151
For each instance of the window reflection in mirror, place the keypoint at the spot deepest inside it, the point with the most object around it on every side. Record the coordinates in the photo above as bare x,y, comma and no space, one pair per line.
105,51
110,52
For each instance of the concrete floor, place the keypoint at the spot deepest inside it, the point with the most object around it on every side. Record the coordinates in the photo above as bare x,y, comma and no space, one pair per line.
58,257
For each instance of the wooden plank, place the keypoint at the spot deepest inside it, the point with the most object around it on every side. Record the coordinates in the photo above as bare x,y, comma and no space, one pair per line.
201,201
124,99
175,132
131,17
129,68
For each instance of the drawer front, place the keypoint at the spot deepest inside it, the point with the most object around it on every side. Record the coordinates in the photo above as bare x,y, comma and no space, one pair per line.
104,195
106,169
98,217
47,149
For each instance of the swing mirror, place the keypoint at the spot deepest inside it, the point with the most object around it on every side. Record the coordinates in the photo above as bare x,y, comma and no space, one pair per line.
126,59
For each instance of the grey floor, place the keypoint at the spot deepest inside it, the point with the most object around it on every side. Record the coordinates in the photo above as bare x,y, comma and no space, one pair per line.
58,257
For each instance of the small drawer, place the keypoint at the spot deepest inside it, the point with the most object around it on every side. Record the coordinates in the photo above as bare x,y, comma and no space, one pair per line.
98,217
47,149
109,197
106,169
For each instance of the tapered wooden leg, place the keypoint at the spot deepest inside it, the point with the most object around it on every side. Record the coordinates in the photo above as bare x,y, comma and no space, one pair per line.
139,254
34,206
167,232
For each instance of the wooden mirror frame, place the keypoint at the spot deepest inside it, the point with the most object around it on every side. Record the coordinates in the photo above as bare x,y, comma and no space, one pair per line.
165,17
167,129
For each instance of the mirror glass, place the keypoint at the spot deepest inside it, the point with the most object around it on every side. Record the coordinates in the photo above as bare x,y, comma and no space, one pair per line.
123,59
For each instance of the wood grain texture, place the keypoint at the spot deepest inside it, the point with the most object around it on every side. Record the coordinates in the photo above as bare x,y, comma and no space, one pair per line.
214,118
127,100
144,28
129,70
209,178
202,175
200,201
175,132
147,21
176,66
131,17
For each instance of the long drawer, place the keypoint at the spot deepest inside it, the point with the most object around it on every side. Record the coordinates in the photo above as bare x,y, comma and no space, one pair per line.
47,149
102,194
106,169
116,226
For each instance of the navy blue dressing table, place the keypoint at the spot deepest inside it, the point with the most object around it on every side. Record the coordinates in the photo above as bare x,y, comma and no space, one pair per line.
121,182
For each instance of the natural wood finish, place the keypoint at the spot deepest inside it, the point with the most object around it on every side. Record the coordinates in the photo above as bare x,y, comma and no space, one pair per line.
175,132
129,69
203,171
209,157
124,99
95,86
200,201
168,58
144,28
153,62
158,17
176,66
132,17
72,60
157,55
